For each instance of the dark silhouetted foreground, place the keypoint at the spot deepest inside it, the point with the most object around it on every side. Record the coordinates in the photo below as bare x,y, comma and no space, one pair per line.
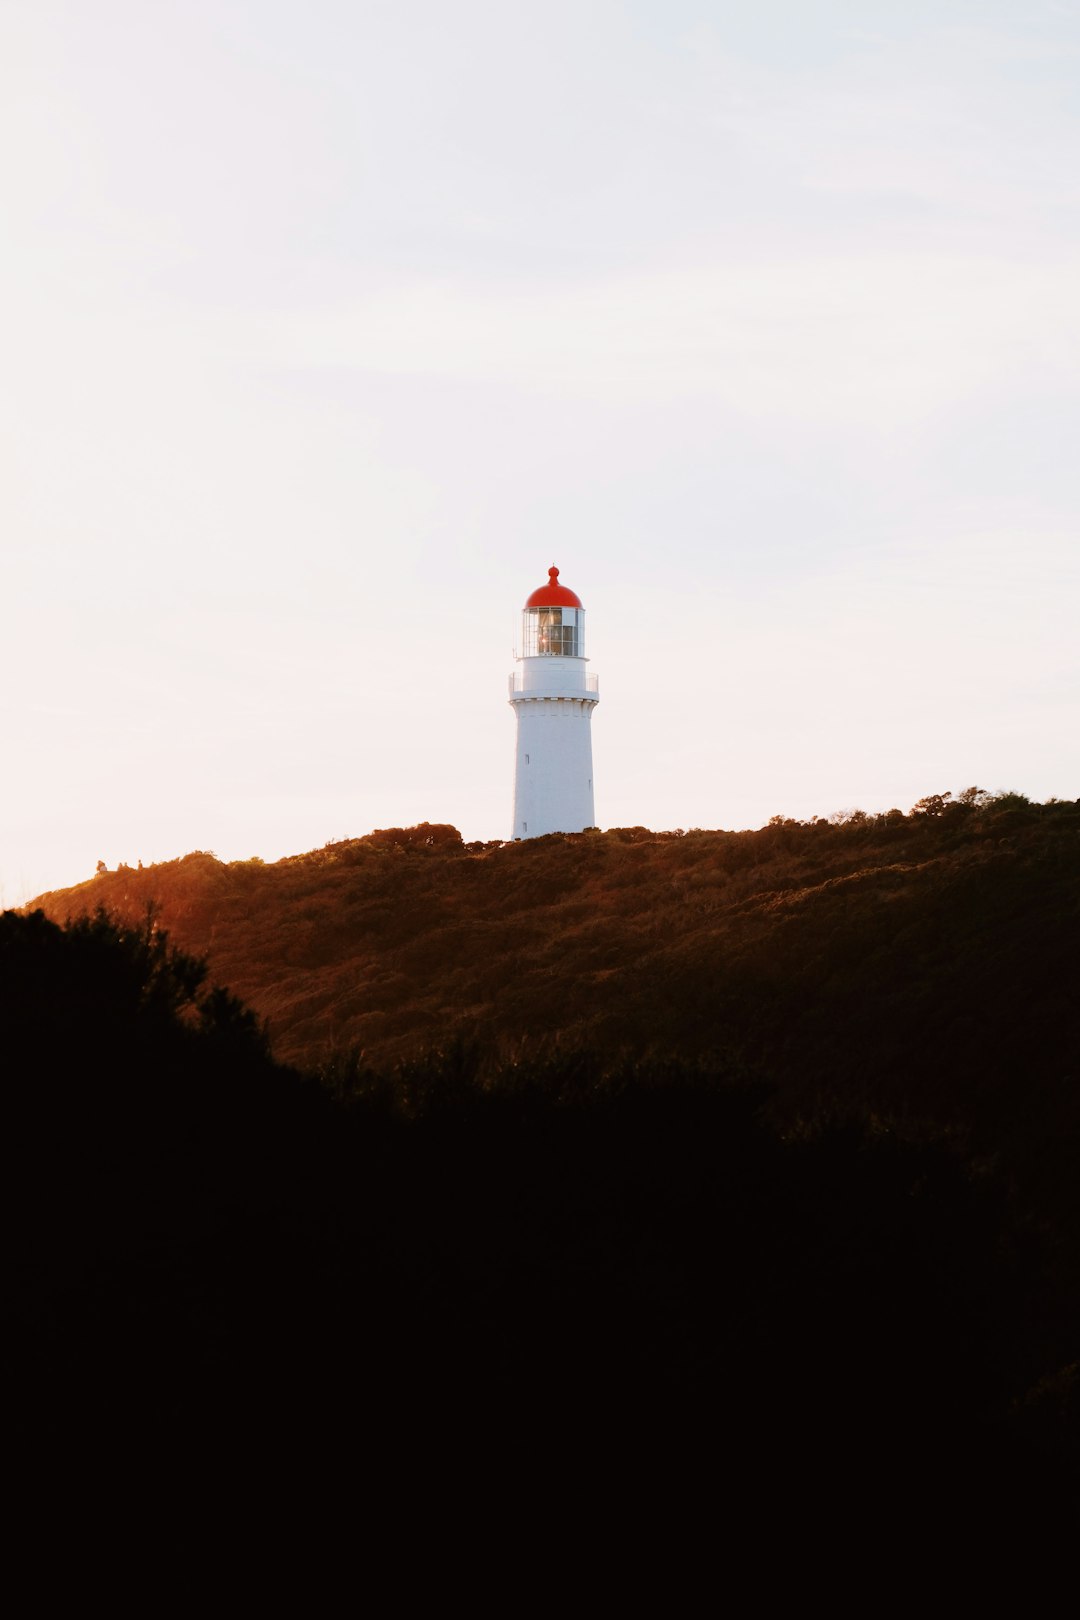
561,1286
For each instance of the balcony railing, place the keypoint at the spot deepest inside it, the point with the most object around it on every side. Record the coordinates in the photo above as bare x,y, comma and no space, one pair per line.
589,685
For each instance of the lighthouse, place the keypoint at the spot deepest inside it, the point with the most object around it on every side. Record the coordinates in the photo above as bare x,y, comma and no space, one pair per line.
553,697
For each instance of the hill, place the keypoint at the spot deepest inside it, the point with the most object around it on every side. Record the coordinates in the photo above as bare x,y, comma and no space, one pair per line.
922,965
410,938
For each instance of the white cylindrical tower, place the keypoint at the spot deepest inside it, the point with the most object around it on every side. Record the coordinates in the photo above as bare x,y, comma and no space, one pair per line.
553,697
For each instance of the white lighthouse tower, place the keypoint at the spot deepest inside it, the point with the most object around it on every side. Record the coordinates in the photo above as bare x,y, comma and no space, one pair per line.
553,697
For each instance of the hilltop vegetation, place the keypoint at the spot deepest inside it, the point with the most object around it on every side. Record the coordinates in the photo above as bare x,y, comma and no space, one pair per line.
692,942
923,964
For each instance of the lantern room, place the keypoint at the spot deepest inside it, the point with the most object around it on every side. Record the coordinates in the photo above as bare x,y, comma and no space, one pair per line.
553,622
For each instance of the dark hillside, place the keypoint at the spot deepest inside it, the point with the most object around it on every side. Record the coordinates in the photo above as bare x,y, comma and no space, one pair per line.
926,964
952,934
922,966
626,1301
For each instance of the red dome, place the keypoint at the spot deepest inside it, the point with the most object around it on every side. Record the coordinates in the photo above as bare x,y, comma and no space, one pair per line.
553,594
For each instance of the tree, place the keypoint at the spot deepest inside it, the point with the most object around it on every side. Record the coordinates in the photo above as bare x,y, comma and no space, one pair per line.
934,804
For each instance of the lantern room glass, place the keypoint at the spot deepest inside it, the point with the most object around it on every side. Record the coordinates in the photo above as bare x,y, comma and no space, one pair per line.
553,632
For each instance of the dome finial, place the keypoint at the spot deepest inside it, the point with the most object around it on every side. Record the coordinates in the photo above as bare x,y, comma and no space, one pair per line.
553,574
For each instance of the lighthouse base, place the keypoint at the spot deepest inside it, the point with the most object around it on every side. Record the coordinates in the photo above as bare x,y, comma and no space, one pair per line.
553,779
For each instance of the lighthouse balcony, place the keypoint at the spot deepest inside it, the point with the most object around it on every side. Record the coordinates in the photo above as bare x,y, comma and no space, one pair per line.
561,683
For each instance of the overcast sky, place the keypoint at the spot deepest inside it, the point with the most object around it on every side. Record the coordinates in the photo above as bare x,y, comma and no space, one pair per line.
326,327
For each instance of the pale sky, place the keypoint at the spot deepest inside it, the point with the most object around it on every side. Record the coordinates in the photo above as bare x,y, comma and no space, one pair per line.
326,327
